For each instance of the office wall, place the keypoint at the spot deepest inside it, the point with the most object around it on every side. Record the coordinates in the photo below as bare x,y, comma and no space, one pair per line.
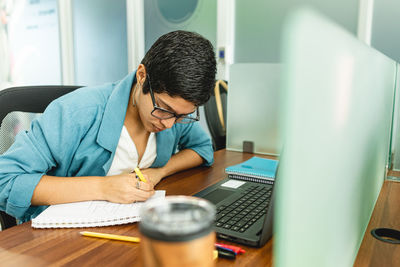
100,41
33,42
258,25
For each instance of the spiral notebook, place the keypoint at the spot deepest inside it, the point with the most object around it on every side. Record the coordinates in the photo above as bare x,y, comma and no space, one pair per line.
90,214
256,169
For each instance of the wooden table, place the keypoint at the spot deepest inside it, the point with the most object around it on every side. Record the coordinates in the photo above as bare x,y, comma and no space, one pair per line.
386,214
25,246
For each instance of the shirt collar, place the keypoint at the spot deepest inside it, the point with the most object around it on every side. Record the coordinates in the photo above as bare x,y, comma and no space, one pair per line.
114,113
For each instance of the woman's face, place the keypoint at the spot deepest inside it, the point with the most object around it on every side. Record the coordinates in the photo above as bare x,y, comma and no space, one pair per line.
176,105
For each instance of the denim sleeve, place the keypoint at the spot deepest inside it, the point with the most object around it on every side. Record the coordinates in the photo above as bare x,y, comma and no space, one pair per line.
51,139
195,138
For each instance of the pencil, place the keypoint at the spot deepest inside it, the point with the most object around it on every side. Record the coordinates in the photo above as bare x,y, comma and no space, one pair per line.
139,173
111,236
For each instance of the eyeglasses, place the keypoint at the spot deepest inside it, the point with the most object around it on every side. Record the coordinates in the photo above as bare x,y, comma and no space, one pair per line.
163,114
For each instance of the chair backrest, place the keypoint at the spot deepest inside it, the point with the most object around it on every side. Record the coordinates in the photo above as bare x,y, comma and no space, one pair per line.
215,111
32,99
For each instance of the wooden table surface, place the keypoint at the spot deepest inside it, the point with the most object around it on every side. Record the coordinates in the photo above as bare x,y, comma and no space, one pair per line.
386,214
25,246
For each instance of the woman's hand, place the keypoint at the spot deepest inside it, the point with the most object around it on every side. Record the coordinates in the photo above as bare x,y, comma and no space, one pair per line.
153,175
126,188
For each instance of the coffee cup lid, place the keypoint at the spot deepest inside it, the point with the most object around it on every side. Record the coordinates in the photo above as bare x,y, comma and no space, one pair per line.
177,218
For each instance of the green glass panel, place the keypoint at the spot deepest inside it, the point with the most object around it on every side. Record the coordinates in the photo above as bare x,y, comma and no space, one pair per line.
258,24
395,152
253,106
338,107
385,34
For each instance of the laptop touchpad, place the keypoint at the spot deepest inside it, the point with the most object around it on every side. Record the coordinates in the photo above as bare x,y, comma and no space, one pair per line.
218,195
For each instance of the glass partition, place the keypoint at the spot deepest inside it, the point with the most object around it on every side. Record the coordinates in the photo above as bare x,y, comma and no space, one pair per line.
252,107
385,35
395,152
338,105
258,25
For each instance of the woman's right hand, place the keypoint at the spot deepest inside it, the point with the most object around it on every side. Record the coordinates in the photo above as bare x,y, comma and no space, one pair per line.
122,188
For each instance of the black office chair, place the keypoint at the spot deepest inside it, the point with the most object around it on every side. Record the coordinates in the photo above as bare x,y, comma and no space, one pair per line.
32,99
215,111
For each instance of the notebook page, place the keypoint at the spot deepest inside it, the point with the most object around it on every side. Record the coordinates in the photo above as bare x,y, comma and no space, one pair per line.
90,214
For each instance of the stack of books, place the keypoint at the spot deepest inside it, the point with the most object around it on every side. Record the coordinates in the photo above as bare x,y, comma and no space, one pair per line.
256,169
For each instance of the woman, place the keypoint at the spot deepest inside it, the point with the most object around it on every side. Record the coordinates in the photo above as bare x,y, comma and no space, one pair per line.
86,144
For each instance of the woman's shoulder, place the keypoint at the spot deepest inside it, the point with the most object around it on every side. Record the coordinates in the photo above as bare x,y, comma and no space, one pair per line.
84,98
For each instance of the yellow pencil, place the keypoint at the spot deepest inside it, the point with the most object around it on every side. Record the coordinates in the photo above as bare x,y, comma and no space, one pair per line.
110,236
139,173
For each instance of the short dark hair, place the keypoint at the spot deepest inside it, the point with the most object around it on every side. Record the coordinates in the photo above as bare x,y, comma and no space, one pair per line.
181,63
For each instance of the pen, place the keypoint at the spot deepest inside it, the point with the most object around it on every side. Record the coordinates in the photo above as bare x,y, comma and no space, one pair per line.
236,249
215,254
226,253
139,173
110,236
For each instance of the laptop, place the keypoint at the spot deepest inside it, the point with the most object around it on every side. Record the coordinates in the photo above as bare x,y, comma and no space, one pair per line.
244,210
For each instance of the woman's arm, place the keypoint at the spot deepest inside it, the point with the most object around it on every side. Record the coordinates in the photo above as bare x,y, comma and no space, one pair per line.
119,188
195,148
184,159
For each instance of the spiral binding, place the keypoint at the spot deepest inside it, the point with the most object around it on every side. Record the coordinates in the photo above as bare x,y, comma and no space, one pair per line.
250,178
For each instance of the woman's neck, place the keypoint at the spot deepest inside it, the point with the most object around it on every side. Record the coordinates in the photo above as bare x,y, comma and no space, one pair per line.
132,118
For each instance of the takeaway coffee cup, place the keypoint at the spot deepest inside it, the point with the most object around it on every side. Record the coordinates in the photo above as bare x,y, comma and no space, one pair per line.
177,231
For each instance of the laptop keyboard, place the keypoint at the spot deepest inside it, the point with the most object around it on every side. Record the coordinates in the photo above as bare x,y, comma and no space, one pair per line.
242,213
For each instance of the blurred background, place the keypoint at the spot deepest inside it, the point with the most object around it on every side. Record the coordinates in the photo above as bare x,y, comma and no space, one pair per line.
89,42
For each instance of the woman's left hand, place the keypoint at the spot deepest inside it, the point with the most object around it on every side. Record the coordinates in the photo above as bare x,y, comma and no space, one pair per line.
153,175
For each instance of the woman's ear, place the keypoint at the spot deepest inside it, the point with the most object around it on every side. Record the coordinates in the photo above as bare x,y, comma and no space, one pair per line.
141,74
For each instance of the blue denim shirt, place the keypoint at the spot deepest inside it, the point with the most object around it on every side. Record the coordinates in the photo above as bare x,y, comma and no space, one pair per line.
77,135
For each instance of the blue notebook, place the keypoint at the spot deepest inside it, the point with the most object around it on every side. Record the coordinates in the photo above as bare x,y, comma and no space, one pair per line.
255,169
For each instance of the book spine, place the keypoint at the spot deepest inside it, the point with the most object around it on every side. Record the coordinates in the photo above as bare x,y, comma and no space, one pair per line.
249,178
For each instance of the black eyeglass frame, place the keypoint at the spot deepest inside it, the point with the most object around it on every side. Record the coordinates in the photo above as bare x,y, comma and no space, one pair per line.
173,114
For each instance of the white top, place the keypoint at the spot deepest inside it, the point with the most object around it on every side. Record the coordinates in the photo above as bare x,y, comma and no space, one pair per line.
126,156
